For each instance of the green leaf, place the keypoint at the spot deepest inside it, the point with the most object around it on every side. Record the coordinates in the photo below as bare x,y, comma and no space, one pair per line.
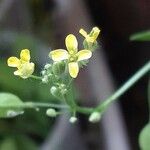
8,144
9,105
25,143
18,142
141,36
144,138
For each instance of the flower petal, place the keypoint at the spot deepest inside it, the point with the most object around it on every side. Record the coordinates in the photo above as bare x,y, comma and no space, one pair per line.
58,55
71,43
73,69
94,33
25,55
13,62
84,54
83,32
25,70
17,73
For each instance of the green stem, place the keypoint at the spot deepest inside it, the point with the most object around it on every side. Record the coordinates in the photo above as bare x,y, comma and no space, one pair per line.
36,77
138,75
70,81
149,97
34,105
84,110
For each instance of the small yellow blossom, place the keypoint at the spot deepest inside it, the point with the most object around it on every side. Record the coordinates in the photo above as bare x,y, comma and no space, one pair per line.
24,66
72,55
92,36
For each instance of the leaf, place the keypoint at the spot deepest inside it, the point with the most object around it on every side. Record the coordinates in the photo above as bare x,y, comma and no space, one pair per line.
144,138
18,142
25,143
141,36
9,105
8,144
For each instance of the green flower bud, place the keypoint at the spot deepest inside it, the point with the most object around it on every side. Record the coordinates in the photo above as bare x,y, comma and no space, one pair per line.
73,119
91,46
43,72
51,112
55,91
47,66
63,89
58,67
95,117
45,79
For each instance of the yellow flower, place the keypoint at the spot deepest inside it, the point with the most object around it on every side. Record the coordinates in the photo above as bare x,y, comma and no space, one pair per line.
72,55
24,66
92,36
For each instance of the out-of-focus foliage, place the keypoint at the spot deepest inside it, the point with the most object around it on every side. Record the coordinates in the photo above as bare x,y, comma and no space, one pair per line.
141,36
18,143
6,100
144,138
31,128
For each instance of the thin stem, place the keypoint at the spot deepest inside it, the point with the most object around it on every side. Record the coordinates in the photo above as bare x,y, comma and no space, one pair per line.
34,105
138,75
35,77
70,81
149,97
84,110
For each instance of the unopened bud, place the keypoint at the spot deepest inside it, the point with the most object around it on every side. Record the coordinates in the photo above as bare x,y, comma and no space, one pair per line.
58,68
43,72
45,79
47,66
73,119
51,112
95,117
55,91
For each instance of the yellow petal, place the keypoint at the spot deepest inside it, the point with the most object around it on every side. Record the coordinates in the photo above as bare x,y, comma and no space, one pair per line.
25,55
25,70
94,33
71,43
17,73
13,62
58,55
83,32
73,69
84,54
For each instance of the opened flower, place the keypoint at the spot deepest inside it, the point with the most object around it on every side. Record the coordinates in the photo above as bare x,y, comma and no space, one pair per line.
24,67
72,55
92,36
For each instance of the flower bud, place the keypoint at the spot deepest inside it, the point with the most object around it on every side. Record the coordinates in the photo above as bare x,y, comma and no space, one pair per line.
47,66
51,112
95,117
55,91
45,79
43,72
58,67
63,89
73,119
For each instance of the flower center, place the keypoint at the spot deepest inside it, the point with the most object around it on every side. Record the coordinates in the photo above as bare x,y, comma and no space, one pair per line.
73,58
71,52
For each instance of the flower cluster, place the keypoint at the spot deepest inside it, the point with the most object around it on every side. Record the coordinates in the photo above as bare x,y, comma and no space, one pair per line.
59,74
71,57
24,67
